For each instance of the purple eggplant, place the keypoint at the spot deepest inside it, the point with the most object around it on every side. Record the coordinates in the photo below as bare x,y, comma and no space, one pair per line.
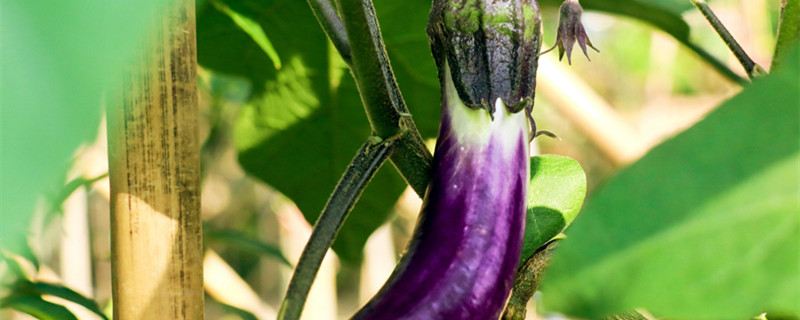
461,261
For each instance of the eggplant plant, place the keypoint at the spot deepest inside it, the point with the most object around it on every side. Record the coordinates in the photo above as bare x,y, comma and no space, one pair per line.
462,260
711,221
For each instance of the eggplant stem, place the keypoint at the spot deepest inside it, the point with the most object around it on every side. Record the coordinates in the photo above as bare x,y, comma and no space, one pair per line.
383,103
372,154
333,27
753,69
529,276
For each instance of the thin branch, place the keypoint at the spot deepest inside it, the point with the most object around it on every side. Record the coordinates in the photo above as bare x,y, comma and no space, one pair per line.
358,174
752,68
334,28
528,280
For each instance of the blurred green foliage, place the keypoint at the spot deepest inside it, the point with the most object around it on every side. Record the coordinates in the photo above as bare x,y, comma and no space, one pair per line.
58,59
706,225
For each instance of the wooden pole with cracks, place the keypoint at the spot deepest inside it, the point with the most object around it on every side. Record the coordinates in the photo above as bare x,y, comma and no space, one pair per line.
154,168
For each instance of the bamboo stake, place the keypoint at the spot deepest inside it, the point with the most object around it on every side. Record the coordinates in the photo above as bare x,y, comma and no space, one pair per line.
154,171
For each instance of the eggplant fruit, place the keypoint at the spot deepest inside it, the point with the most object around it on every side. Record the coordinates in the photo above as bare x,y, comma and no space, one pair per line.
463,256
462,259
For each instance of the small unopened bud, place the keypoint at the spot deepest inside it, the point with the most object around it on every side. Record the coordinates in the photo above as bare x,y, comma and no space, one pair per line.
570,30
491,48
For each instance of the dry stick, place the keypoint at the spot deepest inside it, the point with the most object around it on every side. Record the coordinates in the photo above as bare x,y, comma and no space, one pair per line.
752,68
154,162
358,174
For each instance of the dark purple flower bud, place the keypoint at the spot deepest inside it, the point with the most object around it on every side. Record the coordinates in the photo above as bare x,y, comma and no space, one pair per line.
492,47
570,30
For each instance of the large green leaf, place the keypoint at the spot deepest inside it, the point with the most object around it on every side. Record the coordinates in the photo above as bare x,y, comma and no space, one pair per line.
705,226
305,121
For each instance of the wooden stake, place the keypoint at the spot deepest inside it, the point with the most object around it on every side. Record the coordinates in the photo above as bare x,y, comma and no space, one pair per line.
154,169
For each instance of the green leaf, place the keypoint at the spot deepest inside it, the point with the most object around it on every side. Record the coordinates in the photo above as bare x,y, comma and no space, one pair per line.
304,121
555,196
705,226
37,307
68,294
253,29
241,241
23,265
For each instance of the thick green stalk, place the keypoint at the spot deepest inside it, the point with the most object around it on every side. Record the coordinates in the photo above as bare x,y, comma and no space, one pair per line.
753,69
380,94
358,174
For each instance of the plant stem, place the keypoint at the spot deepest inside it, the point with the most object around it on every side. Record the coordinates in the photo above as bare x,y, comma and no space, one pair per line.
752,68
358,174
332,26
527,282
788,30
380,94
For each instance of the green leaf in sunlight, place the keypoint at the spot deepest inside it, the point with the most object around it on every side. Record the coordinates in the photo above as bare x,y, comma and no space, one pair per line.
555,196
37,307
305,121
705,226
253,29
